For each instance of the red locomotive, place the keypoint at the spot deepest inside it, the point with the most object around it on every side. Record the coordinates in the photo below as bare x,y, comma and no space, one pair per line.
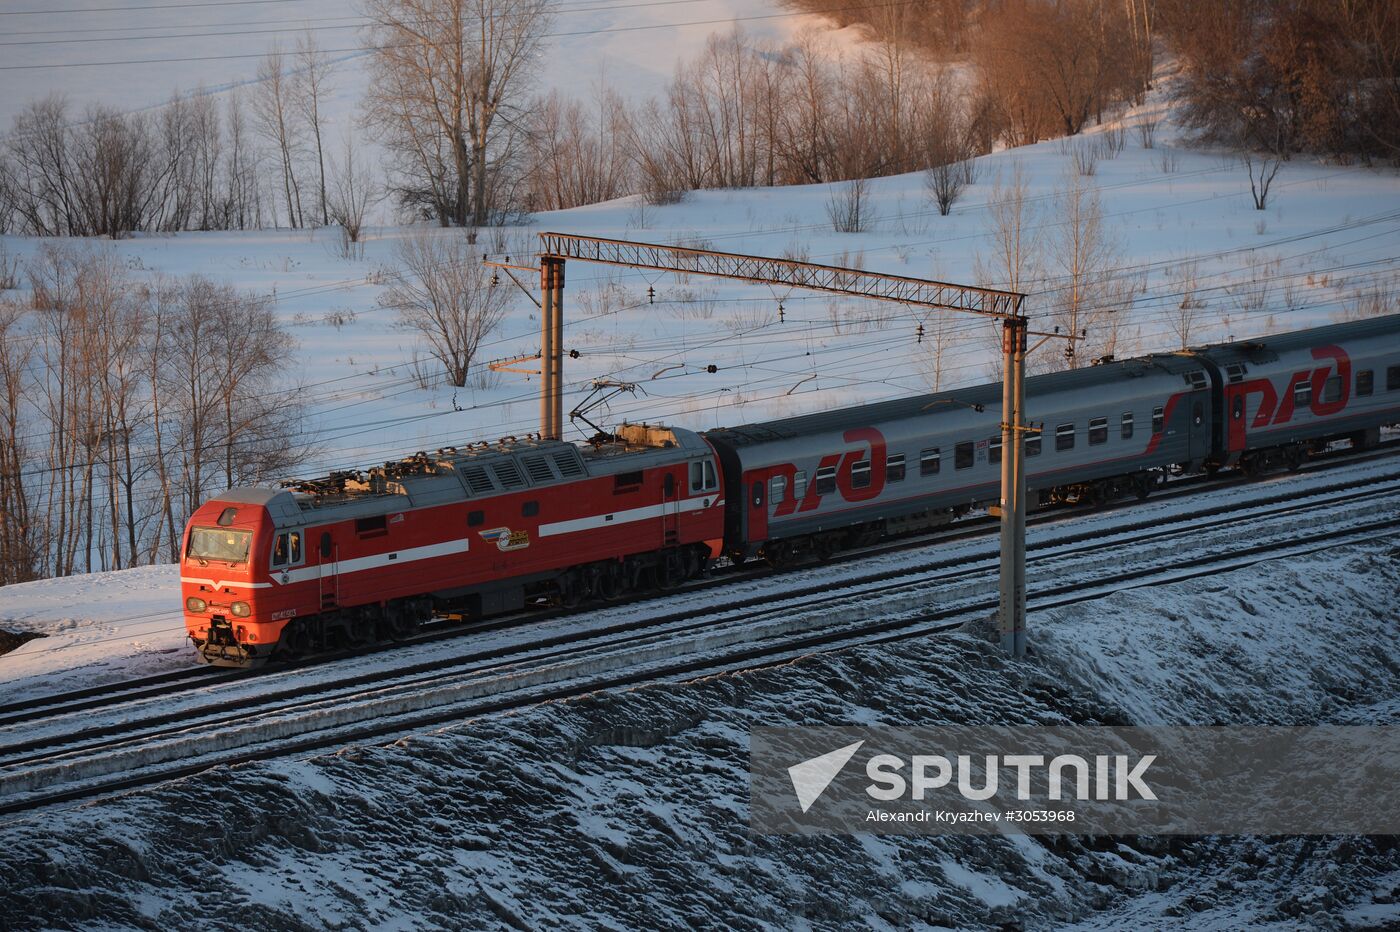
356,558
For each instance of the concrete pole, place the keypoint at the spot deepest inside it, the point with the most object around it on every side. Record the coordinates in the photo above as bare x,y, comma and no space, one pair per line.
1012,609
546,348
1018,485
556,343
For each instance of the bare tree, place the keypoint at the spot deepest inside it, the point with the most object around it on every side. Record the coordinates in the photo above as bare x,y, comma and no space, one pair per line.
1014,258
352,190
1184,317
443,293
848,206
1083,253
308,89
275,119
446,76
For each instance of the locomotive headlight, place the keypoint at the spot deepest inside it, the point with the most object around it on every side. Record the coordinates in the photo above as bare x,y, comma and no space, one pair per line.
240,609
196,605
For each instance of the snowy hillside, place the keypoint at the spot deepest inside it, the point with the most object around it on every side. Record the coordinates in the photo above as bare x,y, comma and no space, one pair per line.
1181,224
95,51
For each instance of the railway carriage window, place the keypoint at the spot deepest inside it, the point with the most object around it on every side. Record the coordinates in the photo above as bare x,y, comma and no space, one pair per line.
994,450
930,461
1198,414
826,480
964,454
476,518
1392,378
799,485
530,509
1237,408
775,491
1302,394
1033,444
757,494
1064,437
1365,382
1098,431
1159,420
1332,390
1127,425
894,468
860,475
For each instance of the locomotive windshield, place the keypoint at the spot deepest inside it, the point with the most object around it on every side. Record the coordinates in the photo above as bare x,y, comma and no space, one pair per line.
218,543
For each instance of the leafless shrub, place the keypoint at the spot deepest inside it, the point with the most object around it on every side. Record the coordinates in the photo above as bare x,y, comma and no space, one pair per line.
848,206
1169,161
1147,130
945,183
1262,168
1115,140
1084,155
9,269
443,292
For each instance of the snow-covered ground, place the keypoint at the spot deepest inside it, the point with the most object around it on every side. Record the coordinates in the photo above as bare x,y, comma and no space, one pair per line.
624,805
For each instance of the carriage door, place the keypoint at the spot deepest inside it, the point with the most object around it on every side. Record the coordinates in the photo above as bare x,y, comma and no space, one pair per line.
755,487
670,511
329,566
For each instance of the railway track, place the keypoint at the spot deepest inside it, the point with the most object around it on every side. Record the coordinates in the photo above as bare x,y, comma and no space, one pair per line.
200,677
769,629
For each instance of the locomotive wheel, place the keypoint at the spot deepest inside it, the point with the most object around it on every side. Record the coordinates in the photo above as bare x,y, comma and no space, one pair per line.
570,589
610,585
670,571
1144,486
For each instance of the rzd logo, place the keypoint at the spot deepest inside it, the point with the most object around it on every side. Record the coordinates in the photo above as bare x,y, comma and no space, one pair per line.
873,475
506,539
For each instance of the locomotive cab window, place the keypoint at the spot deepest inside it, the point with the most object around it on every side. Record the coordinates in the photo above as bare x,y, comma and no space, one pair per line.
930,461
1392,378
286,550
964,454
994,450
860,475
1064,437
1159,420
211,543
1127,429
1098,431
826,480
1365,383
894,468
702,476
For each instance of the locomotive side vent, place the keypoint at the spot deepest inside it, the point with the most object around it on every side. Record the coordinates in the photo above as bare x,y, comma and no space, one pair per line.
538,468
568,464
477,480
508,474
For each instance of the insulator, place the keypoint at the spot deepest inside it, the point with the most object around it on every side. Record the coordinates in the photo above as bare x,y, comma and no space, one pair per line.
780,312
651,295
920,333
495,279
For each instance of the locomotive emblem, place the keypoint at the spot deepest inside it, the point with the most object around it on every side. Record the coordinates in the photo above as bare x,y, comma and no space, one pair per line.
506,539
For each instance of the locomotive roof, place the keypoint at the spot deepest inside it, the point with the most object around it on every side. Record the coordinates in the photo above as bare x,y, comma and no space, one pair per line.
458,474
950,402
